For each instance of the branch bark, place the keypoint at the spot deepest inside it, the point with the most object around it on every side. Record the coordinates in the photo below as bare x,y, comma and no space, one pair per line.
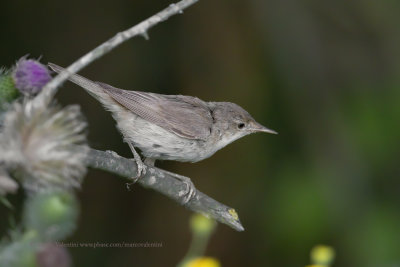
162,182
48,92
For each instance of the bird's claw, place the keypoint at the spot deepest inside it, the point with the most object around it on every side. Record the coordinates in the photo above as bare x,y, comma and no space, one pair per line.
190,190
141,171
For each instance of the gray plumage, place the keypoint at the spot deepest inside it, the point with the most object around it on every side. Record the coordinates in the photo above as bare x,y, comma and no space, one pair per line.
171,127
185,116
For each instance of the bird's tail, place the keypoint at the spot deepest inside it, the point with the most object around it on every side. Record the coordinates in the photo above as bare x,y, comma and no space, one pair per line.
90,86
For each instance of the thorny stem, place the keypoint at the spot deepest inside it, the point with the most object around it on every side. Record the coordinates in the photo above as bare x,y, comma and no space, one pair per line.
142,28
162,182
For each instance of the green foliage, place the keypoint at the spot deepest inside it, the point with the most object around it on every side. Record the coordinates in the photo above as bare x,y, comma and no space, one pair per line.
8,92
376,235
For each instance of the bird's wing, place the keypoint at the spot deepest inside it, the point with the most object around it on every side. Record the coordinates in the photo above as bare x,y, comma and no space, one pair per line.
185,116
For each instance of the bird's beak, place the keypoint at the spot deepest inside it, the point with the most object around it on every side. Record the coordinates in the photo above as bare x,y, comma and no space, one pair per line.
256,127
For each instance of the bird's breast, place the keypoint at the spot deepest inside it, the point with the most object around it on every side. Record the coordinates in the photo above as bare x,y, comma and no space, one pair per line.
158,143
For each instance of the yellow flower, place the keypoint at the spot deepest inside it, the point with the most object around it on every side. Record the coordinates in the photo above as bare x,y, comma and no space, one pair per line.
203,262
322,255
201,224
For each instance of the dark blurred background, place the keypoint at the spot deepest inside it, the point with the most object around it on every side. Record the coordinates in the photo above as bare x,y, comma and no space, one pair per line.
324,74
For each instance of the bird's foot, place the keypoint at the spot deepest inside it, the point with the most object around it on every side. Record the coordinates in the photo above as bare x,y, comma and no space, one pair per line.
141,171
141,168
190,190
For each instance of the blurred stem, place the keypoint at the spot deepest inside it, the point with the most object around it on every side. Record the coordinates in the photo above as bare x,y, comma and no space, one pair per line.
197,247
162,182
140,29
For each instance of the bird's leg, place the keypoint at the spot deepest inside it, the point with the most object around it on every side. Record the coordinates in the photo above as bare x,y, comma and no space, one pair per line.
141,167
190,191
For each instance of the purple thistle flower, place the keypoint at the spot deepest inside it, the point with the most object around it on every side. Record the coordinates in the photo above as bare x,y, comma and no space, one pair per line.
30,76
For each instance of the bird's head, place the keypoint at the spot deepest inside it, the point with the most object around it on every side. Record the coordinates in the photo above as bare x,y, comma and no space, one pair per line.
233,122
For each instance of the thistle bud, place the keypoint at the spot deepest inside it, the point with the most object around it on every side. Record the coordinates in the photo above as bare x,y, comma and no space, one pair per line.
50,255
52,214
40,146
30,76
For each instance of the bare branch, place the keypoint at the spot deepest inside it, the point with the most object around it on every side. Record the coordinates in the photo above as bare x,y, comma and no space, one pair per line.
155,178
162,182
140,29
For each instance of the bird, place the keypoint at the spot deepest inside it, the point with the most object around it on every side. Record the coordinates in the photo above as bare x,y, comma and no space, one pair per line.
170,127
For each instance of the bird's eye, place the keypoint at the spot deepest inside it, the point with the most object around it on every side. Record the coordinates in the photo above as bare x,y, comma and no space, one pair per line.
241,125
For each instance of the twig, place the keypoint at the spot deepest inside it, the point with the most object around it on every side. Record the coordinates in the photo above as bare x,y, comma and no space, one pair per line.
162,182
140,29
